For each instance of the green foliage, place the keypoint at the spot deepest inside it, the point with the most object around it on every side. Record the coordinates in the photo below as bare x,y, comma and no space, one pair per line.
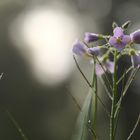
82,130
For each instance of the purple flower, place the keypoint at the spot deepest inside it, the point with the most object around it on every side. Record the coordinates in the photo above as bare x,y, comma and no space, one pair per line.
119,40
135,36
136,59
108,66
91,37
79,48
94,51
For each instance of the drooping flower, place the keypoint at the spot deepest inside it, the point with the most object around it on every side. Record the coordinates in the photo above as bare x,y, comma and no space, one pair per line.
135,36
91,37
95,51
119,40
107,65
79,48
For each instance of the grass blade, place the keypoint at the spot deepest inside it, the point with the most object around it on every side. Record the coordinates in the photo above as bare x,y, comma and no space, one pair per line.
82,131
15,123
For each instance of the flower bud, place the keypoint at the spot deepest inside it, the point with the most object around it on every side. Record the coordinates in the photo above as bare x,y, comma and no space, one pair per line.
135,36
119,40
91,37
132,52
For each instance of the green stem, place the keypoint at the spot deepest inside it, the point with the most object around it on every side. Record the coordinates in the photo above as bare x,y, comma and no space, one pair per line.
122,77
93,90
106,77
106,88
134,128
77,65
112,118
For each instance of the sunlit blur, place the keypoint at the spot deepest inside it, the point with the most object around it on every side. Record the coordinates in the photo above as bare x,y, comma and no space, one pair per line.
47,36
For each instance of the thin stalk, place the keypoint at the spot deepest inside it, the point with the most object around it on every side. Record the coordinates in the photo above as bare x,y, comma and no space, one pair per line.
134,128
117,112
112,117
93,133
81,71
93,90
106,89
106,77
121,78
15,123
124,90
74,100
130,80
132,61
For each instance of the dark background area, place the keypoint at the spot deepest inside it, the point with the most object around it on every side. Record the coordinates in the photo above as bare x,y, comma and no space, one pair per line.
48,112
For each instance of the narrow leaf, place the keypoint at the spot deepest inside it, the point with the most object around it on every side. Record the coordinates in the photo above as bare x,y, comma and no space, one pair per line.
15,123
81,130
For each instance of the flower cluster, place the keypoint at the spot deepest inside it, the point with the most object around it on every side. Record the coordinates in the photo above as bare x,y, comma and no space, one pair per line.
105,60
118,42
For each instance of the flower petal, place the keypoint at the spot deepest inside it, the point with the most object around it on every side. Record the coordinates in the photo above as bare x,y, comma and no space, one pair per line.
118,32
79,48
135,36
118,45
126,39
110,66
99,70
112,41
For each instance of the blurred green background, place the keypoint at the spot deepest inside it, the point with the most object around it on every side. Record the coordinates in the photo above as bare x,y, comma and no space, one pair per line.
40,79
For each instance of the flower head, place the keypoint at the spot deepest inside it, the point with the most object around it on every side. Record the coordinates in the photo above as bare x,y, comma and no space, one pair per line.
119,40
79,48
91,37
135,36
